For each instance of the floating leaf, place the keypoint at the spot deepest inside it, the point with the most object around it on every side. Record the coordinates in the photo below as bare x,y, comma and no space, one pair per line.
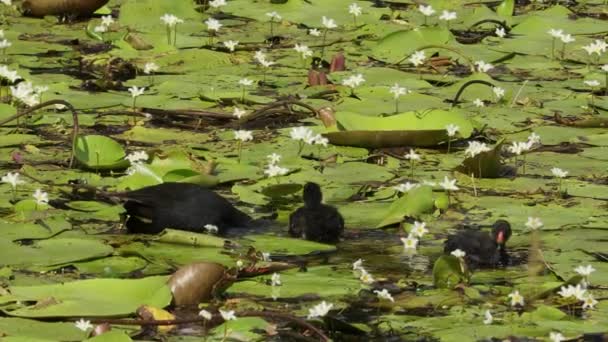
100,152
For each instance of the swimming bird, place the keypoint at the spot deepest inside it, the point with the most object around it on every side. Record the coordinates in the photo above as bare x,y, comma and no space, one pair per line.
481,248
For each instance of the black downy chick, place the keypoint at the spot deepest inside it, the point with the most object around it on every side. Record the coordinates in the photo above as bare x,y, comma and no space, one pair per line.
180,206
481,248
316,221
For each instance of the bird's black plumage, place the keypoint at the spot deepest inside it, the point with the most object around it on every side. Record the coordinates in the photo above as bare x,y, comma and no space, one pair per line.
181,206
481,248
316,221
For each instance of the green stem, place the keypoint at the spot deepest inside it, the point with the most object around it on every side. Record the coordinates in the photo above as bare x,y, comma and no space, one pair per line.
243,94
323,44
300,147
412,168
449,141
396,105
240,147
553,48
175,35
168,34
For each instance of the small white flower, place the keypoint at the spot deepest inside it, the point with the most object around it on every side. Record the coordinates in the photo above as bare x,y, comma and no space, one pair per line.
447,15
266,63
243,135
358,265
135,91
405,187
452,129
5,44
273,170
213,24
409,242
319,310
585,271
107,20
228,315
328,23
7,2
150,67
231,44
412,155
478,103
419,229
488,318
533,139
300,133
10,75
314,32
100,29
426,10
604,68
516,298
304,50
274,16
12,178
318,140
534,223
598,47
170,19
589,302
266,256
567,38
275,279
239,112
354,9
559,173
500,32
137,156
217,3
458,253
556,337
572,291
274,158
498,92
384,294
448,185
245,82
211,228
397,90
83,325
41,197
417,58
483,66
366,278
555,33
354,81
592,83
239,264
205,314
475,148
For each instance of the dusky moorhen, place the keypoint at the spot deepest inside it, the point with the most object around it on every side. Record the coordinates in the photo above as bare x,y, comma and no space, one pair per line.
316,221
481,248
182,206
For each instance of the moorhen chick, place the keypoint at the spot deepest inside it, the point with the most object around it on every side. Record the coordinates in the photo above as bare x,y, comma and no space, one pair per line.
481,248
182,206
316,221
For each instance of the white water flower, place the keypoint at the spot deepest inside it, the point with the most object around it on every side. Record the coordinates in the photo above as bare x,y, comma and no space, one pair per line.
447,15
135,91
534,223
516,298
358,265
483,66
592,83
405,187
500,32
598,47
475,148
217,3
354,9
567,38
274,158
478,103
448,185
273,170
328,23
488,318
266,63
8,74
83,325
228,315
239,113
426,10
318,140
150,67
245,82
498,92
412,155
213,24
107,20
354,81
304,50
533,139
458,253
274,16
319,310
409,242
452,129
170,19
573,291
12,178
300,133
314,32
366,277
243,135
604,67
397,90
275,279
205,314
417,58
211,228
559,173
384,294
7,2
589,302
137,156
419,229
585,271
555,33
98,29
231,44
41,197
556,337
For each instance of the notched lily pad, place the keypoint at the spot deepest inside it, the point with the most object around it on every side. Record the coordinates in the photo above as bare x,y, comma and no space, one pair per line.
198,282
483,165
99,152
449,271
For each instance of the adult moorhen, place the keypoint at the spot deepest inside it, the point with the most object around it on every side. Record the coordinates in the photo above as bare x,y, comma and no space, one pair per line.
481,248
316,221
181,206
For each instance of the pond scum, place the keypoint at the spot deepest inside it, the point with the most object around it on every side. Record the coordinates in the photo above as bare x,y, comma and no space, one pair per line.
422,122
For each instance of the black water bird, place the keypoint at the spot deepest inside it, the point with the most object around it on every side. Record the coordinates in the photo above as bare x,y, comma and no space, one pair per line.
481,248
180,206
316,221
